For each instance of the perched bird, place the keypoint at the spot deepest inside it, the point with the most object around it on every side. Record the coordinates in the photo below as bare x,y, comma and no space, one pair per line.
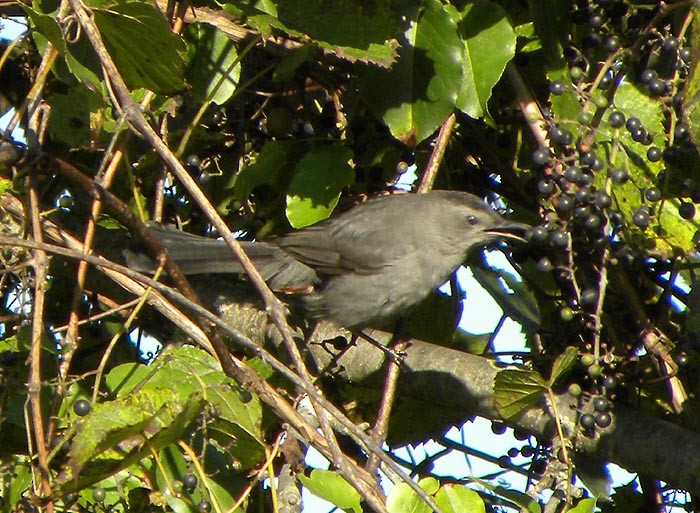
365,267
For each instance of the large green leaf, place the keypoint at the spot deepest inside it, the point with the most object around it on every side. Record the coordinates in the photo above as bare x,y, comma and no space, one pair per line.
213,69
45,25
147,53
457,499
352,30
118,433
516,390
489,44
677,234
402,498
332,487
318,180
417,94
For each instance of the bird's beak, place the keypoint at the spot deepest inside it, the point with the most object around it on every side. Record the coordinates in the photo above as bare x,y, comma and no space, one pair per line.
511,231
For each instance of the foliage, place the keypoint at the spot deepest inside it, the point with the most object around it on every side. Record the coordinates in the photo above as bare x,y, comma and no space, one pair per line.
579,118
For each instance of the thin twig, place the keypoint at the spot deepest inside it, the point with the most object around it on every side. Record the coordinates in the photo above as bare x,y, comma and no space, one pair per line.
431,169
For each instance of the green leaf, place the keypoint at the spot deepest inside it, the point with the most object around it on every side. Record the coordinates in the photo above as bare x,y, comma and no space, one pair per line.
563,364
517,390
351,30
417,94
213,68
47,26
318,180
332,487
522,500
276,159
402,499
125,377
74,116
669,234
287,67
116,434
147,53
458,499
489,44
219,485
585,506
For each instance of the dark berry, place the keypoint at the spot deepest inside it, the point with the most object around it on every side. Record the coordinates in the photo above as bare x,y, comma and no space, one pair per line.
498,428
686,210
657,87
670,154
513,452
641,217
633,124
539,234
681,132
639,135
539,466
596,20
189,480
560,238
204,506
540,156
544,265
520,435
99,494
670,44
603,419
653,194
564,205
245,396
587,157
527,451
604,83
592,222
573,174
583,195
600,403
654,154
587,421
611,44
557,87
686,54
597,164
561,136
610,382
193,161
602,199
619,175
81,407
616,119
545,186
504,461
647,76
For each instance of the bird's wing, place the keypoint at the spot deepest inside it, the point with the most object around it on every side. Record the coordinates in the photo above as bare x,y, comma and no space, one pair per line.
363,240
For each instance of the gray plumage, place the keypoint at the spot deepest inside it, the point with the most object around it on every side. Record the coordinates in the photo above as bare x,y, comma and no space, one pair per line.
364,267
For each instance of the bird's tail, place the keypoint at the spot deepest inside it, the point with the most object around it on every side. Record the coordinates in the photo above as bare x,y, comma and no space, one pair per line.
202,255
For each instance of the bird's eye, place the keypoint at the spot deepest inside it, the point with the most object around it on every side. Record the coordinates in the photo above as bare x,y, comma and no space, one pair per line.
472,220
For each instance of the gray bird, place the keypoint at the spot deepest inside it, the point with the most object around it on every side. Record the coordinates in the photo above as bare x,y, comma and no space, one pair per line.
365,267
